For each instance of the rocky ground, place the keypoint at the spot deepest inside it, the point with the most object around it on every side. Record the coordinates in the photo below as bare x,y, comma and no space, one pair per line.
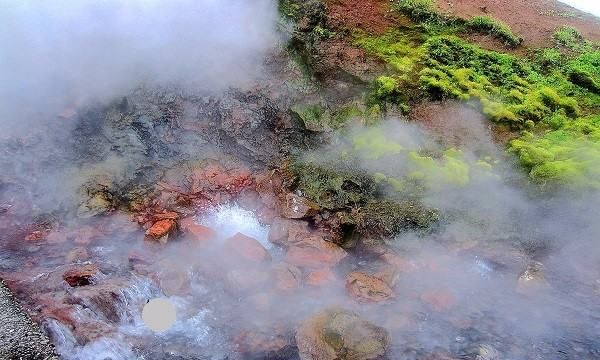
214,201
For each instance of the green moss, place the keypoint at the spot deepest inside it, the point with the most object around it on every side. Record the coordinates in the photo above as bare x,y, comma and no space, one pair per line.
418,10
585,71
386,218
495,28
567,156
332,189
289,9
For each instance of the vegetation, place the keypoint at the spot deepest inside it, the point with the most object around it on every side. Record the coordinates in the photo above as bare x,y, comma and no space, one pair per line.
495,28
386,218
418,10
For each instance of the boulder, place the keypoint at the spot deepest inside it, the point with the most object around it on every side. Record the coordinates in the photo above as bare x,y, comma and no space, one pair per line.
315,253
287,277
161,230
320,277
106,299
81,276
365,288
532,279
203,234
297,207
247,248
286,232
336,334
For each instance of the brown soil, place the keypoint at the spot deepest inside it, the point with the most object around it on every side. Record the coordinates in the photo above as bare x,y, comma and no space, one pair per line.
372,16
534,20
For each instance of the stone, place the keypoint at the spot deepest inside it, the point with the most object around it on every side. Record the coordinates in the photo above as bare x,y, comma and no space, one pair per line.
439,300
286,232
287,277
247,248
315,253
203,234
366,288
532,279
161,230
297,207
106,299
81,276
320,277
77,254
401,263
265,344
334,334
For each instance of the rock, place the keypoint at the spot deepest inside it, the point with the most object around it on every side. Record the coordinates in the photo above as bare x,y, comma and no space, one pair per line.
532,279
246,279
247,248
286,232
439,300
401,263
367,289
97,204
287,277
315,253
77,254
297,207
265,344
161,230
340,334
388,274
106,299
173,278
203,234
81,276
320,277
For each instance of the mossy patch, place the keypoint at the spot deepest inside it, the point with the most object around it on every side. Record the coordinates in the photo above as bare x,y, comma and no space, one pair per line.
386,218
495,28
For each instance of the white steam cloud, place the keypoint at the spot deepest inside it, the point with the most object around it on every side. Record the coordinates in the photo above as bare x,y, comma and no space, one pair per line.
57,54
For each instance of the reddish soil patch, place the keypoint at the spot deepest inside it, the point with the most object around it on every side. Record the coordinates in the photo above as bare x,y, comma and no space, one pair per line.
534,20
372,16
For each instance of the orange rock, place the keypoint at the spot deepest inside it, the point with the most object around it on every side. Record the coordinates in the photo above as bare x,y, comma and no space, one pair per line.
366,288
81,276
161,229
247,247
401,263
315,253
286,232
320,277
199,232
287,277
439,300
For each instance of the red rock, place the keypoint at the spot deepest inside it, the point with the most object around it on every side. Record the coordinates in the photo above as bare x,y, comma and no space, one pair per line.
37,235
287,277
161,229
439,300
81,276
388,274
321,277
199,232
367,288
77,254
401,263
315,253
106,299
174,281
247,247
297,207
165,215
286,232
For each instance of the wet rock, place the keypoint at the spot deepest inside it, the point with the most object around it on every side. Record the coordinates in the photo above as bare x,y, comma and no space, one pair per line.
287,277
174,280
161,230
246,279
106,299
297,207
402,264
320,277
315,253
439,300
247,248
286,232
388,274
139,256
81,276
340,334
203,234
77,254
273,344
366,288
532,279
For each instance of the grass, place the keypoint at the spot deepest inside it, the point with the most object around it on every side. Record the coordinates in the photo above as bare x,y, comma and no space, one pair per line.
495,28
418,10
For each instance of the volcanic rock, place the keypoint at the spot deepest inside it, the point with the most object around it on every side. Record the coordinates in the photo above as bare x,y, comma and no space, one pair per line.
81,276
315,253
286,232
320,277
367,289
161,230
335,334
247,248
287,277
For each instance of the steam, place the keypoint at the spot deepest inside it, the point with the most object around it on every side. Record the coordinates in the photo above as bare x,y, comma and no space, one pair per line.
61,54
